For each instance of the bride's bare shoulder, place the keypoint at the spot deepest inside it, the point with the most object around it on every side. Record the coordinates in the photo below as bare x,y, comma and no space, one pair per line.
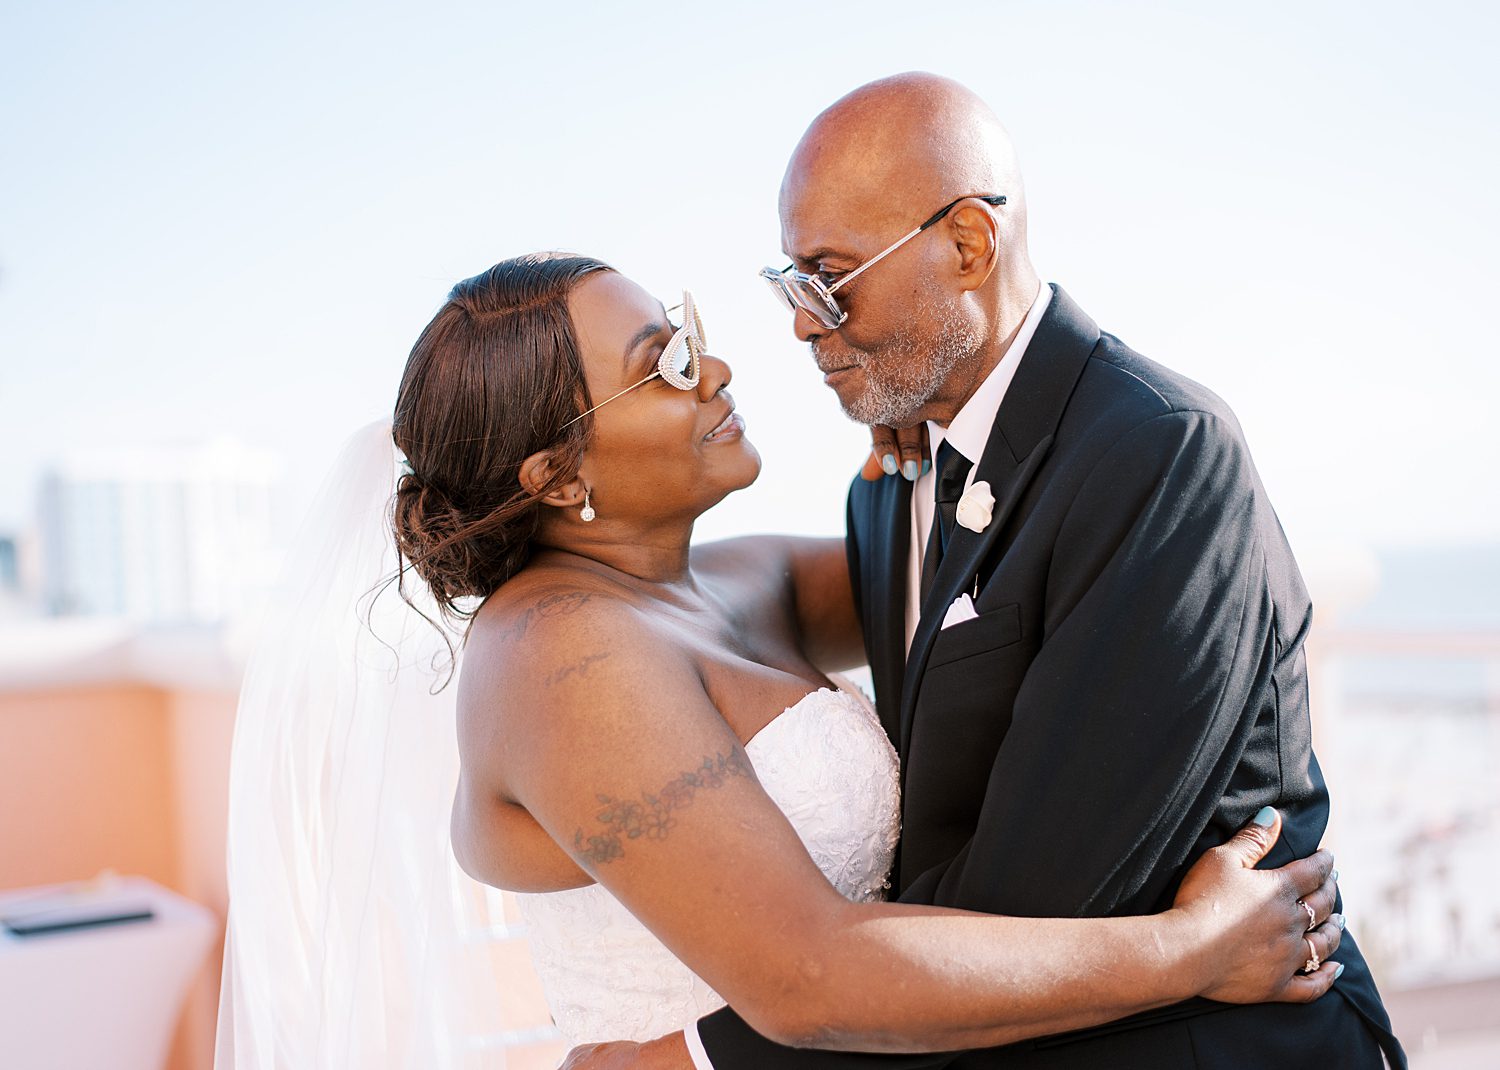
542,608
548,636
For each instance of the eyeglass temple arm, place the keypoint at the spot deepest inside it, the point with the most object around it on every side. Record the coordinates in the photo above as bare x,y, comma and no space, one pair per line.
877,258
996,199
612,397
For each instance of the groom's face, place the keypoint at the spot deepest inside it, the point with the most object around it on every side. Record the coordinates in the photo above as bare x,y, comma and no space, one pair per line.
905,330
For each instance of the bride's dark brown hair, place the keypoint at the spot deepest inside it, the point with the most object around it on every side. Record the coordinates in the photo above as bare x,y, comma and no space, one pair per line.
494,378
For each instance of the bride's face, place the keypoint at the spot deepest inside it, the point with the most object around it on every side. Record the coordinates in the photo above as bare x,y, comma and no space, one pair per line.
656,451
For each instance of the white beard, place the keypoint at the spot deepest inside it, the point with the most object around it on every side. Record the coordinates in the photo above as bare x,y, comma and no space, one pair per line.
913,369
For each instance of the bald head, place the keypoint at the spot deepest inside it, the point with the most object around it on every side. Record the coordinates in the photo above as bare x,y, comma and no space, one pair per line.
898,149
922,329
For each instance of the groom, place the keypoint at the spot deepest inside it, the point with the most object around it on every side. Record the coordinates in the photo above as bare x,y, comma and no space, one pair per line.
1084,623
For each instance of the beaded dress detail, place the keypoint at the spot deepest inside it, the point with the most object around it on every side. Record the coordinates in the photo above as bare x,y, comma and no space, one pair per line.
827,763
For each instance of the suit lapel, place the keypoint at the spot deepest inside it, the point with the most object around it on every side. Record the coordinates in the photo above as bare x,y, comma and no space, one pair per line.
966,550
1018,444
885,576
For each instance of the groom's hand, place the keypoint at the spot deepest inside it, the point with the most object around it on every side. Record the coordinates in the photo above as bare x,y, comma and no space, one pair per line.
897,449
664,1053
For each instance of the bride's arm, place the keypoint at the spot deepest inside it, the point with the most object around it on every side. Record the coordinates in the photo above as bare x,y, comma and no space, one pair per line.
496,841
632,768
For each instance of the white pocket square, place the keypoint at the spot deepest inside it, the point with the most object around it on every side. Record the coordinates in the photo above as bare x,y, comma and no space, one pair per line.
961,610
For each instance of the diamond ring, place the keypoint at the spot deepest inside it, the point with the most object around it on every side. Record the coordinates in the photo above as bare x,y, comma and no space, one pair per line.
1312,919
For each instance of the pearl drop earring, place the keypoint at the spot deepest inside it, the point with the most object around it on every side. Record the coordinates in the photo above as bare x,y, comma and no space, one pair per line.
587,512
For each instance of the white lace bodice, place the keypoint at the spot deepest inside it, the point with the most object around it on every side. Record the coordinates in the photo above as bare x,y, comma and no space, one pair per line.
829,766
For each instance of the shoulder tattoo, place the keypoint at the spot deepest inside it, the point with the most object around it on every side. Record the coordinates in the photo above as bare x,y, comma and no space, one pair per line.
579,668
557,604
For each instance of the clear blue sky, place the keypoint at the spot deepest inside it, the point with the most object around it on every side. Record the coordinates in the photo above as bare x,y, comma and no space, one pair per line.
237,219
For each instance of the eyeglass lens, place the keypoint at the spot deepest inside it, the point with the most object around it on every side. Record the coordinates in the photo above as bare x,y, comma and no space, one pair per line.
796,294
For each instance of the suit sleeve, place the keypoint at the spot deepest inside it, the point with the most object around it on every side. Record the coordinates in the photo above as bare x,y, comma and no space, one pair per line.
1157,652
730,1044
1157,659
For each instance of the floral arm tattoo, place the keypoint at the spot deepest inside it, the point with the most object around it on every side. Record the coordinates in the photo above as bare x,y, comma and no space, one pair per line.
652,816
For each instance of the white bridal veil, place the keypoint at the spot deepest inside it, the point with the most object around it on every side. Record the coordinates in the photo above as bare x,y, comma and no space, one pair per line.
354,939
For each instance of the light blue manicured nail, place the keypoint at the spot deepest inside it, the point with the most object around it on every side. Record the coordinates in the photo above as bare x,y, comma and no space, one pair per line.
926,465
1334,876
888,464
1265,818
911,470
1339,920
1338,970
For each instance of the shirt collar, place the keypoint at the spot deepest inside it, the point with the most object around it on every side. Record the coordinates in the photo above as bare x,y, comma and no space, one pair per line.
970,428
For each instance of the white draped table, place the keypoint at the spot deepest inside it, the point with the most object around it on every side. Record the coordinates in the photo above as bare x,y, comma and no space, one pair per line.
100,997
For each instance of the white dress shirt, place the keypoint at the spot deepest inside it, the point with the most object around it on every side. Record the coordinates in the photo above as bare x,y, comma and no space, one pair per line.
969,431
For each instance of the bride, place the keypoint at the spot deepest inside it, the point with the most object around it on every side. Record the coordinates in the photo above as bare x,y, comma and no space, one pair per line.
651,725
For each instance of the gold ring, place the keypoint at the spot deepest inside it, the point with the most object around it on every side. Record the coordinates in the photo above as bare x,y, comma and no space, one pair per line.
1312,919
1313,961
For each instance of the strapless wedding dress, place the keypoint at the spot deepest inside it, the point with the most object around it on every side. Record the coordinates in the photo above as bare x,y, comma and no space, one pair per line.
830,767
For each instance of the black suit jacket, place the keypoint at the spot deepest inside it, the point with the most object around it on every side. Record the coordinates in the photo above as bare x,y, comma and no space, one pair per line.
1132,691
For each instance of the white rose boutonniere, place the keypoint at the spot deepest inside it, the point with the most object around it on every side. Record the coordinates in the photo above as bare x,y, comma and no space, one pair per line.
977,507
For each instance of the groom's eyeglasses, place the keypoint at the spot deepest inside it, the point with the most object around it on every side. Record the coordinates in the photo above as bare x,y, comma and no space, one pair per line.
801,292
680,363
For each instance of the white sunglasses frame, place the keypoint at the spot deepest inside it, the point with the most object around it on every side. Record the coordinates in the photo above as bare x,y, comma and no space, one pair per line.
689,334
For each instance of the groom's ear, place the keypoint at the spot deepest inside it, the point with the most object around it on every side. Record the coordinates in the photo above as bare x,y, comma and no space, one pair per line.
976,238
539,470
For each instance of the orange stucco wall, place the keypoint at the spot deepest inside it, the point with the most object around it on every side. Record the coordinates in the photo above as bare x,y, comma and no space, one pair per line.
85,784
126,777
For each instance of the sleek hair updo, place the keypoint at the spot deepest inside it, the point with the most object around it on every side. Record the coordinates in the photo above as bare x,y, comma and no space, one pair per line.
493,379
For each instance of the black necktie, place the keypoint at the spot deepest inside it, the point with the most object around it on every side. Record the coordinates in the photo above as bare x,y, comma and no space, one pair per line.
952,471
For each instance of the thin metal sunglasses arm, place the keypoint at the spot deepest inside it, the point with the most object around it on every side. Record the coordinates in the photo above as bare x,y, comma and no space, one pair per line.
612,397
996,199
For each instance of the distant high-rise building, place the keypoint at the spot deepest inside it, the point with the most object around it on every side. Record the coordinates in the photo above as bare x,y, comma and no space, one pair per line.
10,566
158,535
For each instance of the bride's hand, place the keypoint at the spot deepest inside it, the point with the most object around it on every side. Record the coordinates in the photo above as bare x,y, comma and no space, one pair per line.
1252,925
897,449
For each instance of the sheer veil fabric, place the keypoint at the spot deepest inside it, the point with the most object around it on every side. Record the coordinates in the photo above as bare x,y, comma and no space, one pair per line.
354,940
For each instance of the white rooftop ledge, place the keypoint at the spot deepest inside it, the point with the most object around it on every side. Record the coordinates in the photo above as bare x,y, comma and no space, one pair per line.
48,654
